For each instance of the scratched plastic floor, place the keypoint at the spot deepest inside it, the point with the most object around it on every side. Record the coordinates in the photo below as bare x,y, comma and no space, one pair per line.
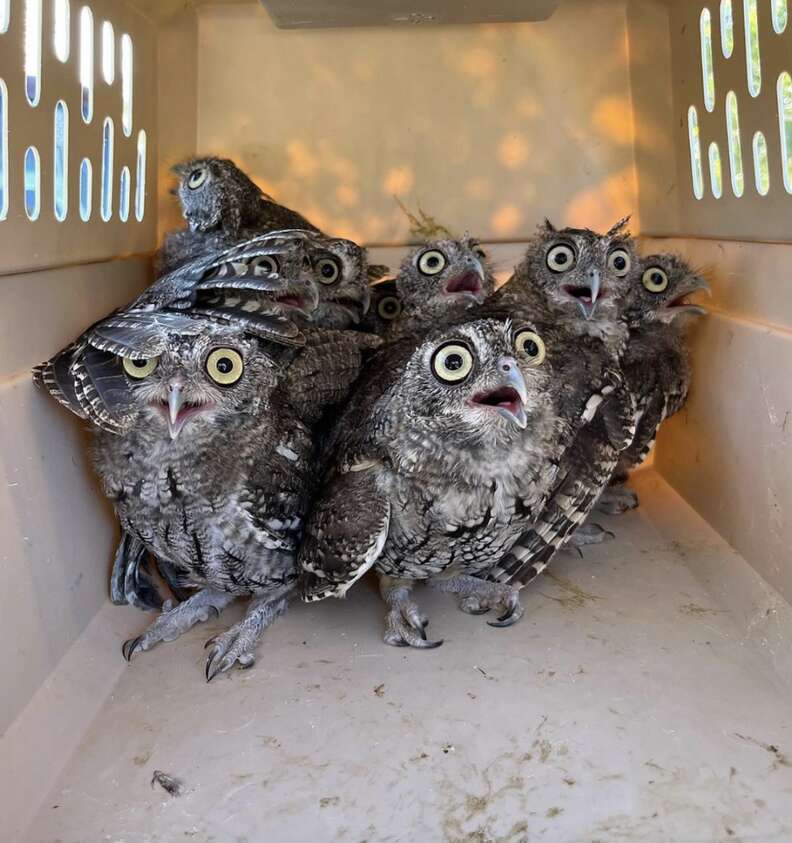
633,702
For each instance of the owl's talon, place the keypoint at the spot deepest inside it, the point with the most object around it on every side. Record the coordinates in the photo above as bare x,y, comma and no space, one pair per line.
617,499
128,647
472,606
480,596
509,618
405,624
587,534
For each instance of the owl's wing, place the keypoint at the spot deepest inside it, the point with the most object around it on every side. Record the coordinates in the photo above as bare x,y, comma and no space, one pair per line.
587,467
345,533
56,377
321,374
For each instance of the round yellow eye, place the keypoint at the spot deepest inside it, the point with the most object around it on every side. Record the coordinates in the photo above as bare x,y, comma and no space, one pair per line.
224,366
264,265
452,362
432,261
655,279
619,262
327,271
531,345
561,258
389,308
139,369
196,178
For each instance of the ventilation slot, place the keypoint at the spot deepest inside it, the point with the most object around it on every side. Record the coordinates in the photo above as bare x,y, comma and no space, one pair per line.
108,53
123,195
716,171
784,88
86,64
695,153
33,51
86,189
60,168
707,72
735,146
140,177
779,15
107,170
126,84
727,28
3,150
761,164
5,15
753,62
32,183
61,42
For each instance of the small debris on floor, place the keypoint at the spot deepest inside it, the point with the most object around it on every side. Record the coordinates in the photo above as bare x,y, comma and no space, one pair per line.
169,784
483,672
781,760
380,690
328,801
694,609
447,747
554,812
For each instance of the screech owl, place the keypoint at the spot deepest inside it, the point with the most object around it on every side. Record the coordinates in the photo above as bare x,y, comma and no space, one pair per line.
212,476
222,206
655,363
439,281
435,468
576,276
384,308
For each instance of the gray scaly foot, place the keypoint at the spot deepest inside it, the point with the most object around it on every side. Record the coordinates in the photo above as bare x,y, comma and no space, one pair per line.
404,623
479,597
176,620
616,500
587,534
238,644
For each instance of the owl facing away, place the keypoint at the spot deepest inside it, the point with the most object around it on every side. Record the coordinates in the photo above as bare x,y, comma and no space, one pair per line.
577,276
435,468
440,280
212,477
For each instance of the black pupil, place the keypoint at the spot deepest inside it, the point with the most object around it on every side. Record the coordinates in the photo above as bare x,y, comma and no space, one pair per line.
562,257
328,270
657,278
224,365
433,261
140,364
195,176
531,348
619,262
454,362
390,307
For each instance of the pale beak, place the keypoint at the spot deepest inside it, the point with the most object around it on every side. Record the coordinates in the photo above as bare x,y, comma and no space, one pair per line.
671,311
175,402
514,411
595,283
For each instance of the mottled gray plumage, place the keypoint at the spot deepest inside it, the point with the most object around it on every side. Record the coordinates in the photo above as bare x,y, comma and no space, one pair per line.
439,282
655,363
384,308
222,206
577,277
434,480
213,478
579,280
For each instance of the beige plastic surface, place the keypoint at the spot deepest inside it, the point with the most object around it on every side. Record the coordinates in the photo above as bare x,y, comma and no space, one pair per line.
751,217
45,241
488,127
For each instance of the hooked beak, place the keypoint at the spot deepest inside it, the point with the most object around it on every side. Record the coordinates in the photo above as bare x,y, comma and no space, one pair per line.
175,402
680,307
509,399
469,284
587,296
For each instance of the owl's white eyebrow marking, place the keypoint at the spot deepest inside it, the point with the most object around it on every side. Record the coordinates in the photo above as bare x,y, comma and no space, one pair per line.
286,452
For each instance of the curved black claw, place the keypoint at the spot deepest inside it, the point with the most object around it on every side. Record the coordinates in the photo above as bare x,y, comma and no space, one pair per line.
509,619
129,646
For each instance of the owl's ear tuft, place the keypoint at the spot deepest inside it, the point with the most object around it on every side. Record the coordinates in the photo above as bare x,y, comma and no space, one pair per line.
547,227
620,226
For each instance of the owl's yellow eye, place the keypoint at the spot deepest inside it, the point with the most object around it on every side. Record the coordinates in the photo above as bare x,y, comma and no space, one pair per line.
431,262
225,366
561,258
327,271
530,345
452,362
389,308
655,279
264,265
139,369
619,262
196,178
